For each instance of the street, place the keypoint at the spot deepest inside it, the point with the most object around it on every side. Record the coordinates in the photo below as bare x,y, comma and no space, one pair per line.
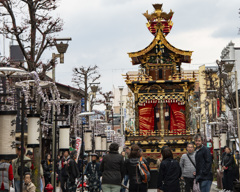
213,188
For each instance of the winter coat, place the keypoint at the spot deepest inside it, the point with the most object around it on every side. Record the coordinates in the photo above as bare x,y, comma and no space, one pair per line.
47,168
30,187
203,164
228,161
186,165
72,170
17,163
63,166
6,175
132,171
112,168
168,176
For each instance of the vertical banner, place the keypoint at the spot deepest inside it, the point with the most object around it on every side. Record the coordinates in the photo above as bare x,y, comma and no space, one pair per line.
208,131
109,128
177,118
146,118
78,147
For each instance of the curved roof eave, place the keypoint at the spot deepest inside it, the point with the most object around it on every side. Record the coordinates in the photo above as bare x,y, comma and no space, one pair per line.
159,36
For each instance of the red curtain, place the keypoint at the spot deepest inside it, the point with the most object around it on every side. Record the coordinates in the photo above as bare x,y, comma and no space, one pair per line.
177,118
146,117
218,107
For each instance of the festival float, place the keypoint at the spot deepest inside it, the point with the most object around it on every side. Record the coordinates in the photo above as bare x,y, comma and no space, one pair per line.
162,93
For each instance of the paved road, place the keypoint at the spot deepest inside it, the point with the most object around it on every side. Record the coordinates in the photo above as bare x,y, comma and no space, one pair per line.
213,189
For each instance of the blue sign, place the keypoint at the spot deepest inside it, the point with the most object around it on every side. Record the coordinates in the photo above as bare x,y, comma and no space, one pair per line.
84,120
82,110
82,102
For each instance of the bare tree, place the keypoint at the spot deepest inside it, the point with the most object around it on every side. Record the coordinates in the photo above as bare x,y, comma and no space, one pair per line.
31,25
82,76
106,101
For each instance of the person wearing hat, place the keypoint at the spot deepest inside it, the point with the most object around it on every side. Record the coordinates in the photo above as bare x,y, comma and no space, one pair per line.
16,165
93,174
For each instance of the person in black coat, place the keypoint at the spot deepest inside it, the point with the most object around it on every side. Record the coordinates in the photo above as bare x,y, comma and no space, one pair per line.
131,169
228,164
112,168
72,171
203,165
169,173
63,170
47,169
93,174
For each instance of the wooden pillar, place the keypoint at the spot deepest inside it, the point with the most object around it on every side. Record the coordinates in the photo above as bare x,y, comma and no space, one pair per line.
136,115
187,107
162,117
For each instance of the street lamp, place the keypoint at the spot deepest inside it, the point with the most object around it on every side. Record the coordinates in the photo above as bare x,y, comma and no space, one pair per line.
84,114
95,138
10,71
34,129
228,66
121,105
62,48
94,89
13,72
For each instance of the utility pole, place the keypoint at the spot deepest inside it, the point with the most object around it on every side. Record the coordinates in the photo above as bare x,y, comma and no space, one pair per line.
237,106
121,111
53,132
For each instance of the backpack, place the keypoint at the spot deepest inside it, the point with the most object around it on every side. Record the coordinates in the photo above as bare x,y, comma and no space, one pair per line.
144,172
25,170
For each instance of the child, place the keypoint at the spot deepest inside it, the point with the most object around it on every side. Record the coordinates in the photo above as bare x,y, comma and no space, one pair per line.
28,186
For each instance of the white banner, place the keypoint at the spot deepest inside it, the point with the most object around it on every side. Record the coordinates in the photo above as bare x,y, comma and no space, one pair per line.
78,147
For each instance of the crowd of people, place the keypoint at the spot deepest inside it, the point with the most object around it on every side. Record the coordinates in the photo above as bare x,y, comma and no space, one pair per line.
116,172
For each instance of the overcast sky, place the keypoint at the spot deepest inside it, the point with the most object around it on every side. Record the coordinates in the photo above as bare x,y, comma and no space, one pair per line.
104,31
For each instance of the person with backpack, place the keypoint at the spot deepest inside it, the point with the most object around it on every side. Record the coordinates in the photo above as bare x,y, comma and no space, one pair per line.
134,165
16,165
47,169
63,170
188,164
73,172
169,173
93,174
112,168
6,175
229,167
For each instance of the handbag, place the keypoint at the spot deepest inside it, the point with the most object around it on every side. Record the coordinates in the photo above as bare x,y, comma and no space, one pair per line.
11,187
196,187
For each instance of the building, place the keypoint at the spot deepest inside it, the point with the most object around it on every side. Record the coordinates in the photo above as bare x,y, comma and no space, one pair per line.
232,53
127,109
208,87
